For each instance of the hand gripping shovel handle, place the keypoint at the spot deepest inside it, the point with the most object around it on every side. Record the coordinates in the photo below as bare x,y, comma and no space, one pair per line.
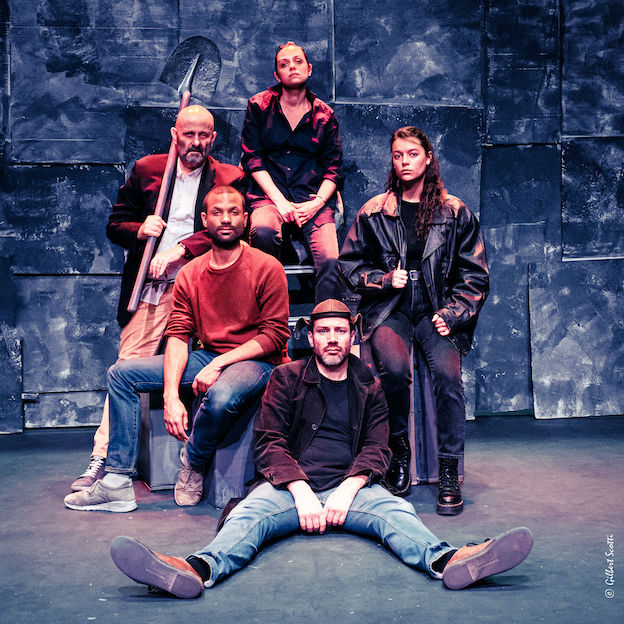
185,91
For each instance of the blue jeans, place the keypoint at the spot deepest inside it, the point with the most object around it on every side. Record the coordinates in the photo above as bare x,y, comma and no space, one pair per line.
236,388
268,513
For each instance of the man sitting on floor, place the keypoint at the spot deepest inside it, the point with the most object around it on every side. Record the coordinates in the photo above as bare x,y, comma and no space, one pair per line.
321,444
234,299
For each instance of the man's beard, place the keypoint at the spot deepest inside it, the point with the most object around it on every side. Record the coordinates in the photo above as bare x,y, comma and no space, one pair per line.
228,243
333,361
196,160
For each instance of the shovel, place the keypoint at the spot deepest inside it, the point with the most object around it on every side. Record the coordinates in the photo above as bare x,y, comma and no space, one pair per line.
208,67
195,61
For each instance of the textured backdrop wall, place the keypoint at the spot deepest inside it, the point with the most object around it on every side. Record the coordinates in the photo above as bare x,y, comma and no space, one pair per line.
524,102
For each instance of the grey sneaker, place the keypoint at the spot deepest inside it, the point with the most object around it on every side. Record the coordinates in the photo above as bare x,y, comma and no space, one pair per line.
190,485
95,470
101,497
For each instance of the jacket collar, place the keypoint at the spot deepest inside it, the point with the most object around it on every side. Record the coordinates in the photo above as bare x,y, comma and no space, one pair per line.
388,204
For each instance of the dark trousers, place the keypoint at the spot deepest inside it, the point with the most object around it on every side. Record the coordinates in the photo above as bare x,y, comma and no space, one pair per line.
391,346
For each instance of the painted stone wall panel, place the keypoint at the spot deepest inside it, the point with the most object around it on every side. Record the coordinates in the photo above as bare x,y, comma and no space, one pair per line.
593,197
67,118
80,13
54,218
577,338
501,356
247,34
4,75
117,48
366,132
427,52
70,335
64,409
593,67
10,352
521,184
523,88
10,381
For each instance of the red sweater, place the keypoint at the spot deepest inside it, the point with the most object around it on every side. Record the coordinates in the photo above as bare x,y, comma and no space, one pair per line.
225,308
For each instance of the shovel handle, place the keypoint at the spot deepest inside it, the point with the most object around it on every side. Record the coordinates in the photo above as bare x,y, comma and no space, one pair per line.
150,245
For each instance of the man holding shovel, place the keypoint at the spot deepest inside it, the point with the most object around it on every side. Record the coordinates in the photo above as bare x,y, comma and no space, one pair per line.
180,237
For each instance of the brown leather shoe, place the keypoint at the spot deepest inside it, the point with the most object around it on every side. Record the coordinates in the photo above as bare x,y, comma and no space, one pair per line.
472,563
171,574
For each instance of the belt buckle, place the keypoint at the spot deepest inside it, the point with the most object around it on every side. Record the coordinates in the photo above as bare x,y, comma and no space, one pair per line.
414,275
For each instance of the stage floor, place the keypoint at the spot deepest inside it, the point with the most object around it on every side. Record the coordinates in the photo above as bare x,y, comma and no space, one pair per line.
563,479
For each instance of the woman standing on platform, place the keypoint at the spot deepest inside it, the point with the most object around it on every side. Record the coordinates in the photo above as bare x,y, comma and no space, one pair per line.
416,256
292,150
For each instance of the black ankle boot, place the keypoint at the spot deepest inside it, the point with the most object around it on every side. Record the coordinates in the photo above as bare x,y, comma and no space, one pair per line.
450,501
398,479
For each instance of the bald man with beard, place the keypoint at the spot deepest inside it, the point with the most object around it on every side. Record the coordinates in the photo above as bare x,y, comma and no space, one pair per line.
181,237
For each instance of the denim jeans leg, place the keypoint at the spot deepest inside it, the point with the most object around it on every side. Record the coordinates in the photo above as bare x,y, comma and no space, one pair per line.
238,386
391,348
267,513
265,229
320,235
377,513
444,363
126,379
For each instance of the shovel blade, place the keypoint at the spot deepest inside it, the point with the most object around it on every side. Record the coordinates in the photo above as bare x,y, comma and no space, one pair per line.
208,67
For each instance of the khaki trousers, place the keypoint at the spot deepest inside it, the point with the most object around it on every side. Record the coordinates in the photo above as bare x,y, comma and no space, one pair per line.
139,338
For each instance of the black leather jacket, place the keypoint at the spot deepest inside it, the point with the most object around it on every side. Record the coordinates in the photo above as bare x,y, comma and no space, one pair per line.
454,264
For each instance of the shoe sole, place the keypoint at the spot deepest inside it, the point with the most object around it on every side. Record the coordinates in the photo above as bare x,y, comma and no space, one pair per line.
504,552
139,563
114,506
449,510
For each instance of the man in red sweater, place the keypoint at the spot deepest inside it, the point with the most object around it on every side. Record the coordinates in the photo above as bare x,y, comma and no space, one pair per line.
234,299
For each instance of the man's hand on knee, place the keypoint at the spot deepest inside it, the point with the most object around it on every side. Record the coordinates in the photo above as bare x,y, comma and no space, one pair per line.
312,516
206,377
339,501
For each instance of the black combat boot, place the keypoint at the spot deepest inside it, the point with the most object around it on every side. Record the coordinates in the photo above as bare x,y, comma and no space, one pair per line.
398,479
450,501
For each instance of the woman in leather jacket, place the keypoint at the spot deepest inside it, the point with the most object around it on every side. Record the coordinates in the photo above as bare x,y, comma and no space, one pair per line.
416,256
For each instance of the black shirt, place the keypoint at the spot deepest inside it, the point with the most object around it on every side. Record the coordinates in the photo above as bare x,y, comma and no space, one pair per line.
328,457
415,301
415,243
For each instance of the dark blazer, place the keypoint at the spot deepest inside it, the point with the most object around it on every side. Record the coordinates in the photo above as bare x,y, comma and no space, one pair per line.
454,264
292,409
137,199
